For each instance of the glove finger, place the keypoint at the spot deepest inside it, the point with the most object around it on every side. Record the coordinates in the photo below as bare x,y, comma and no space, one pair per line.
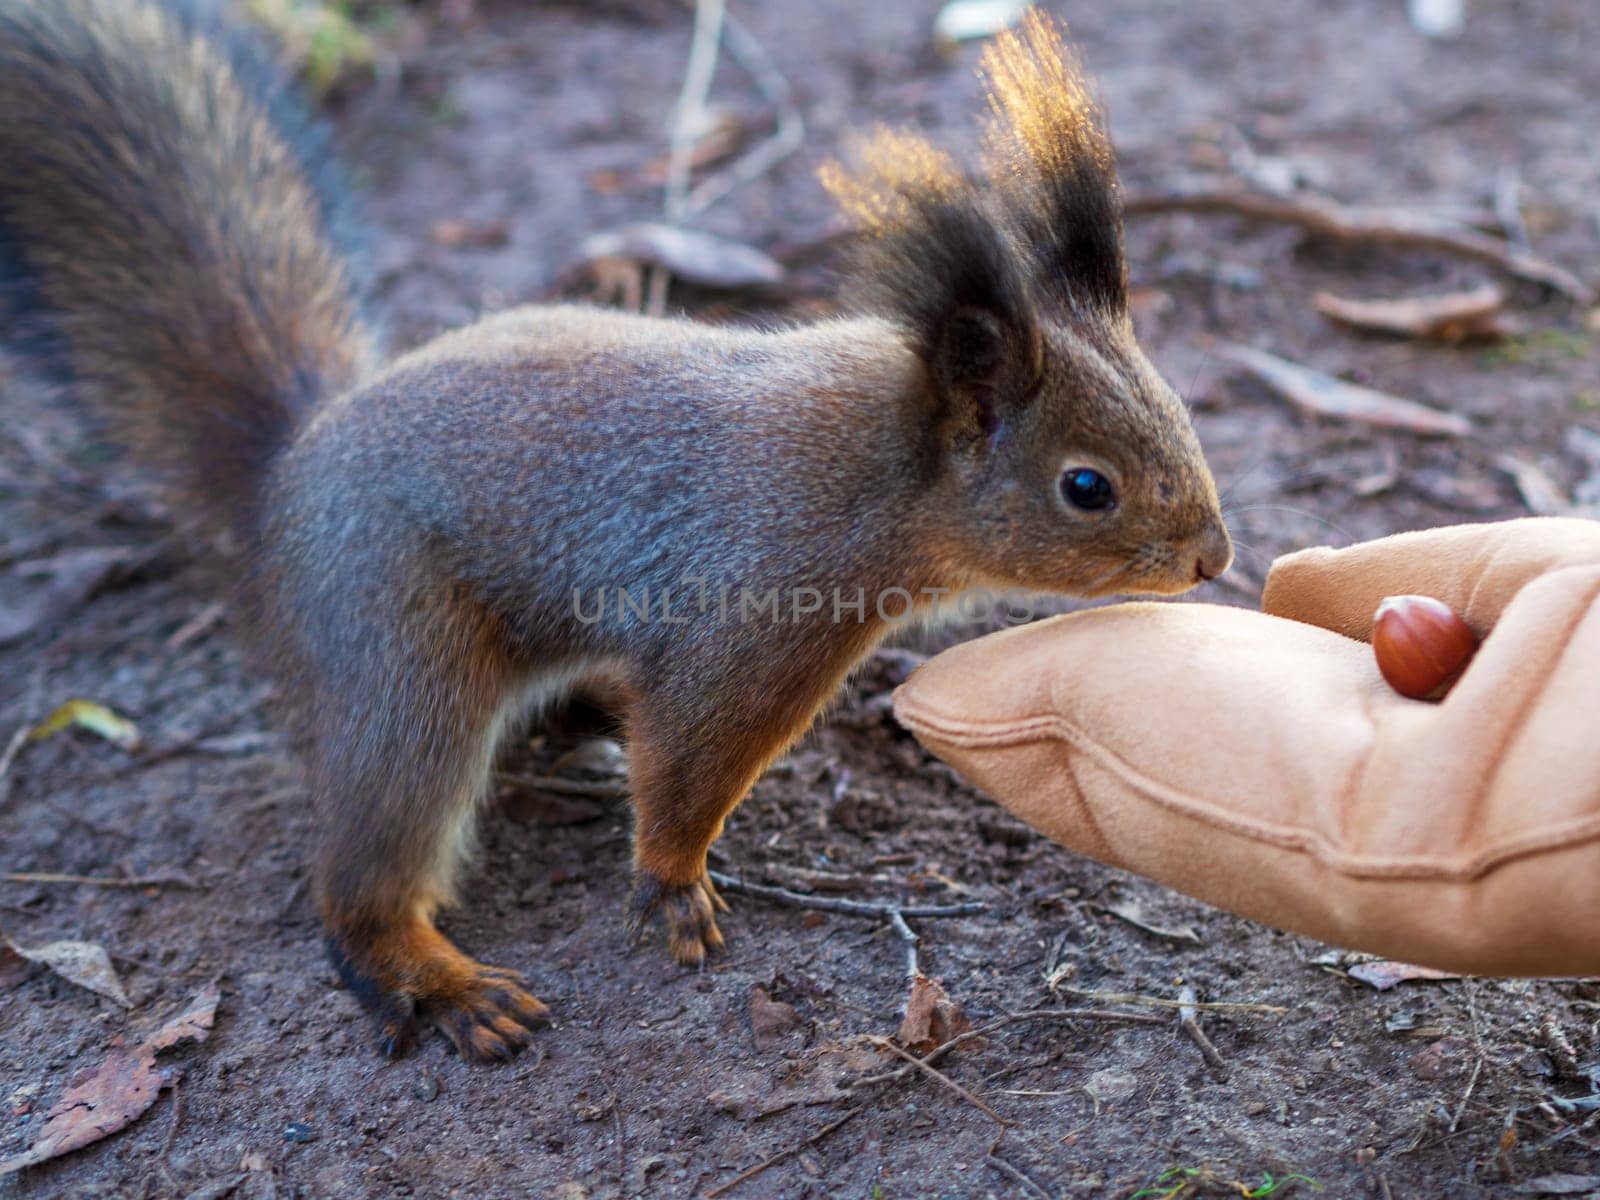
1475,569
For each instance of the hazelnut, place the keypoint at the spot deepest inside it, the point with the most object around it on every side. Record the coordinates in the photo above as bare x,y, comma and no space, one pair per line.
1421,645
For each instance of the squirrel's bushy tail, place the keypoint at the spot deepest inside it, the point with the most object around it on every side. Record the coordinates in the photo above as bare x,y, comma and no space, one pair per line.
163,240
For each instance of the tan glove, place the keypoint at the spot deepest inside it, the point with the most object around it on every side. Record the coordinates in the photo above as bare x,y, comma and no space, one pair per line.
1260,763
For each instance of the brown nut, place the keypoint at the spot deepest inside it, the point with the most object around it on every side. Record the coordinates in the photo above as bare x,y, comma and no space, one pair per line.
1421,645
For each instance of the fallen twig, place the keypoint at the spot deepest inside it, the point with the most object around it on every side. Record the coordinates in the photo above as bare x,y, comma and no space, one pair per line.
1508,206
836,904
1371,226
785,140
708,16
136,881
1189,1022
1036,1014
568,787
897,922
921,1064
1161,1002
789,1152
9,754
197,625
1477,1054
1016,1173
1451,317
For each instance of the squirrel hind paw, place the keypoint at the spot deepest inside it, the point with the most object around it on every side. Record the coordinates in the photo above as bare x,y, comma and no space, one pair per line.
492,1022
404,983
690,911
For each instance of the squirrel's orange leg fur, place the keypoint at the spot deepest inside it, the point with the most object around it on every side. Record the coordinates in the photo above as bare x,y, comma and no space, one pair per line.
398,772
688,775
404,970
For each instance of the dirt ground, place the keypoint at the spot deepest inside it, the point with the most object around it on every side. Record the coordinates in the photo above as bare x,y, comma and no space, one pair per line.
655,1081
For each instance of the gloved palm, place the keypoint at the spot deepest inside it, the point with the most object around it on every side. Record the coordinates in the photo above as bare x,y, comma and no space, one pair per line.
1258,761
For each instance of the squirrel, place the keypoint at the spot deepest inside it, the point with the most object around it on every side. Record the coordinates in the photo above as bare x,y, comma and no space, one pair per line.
426,548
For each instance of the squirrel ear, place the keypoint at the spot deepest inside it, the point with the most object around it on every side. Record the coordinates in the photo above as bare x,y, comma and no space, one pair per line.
983,365
933,256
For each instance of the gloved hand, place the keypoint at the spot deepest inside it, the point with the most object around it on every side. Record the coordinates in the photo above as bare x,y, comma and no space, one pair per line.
1260,763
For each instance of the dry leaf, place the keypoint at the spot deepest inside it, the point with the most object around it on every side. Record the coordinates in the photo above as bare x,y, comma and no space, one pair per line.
1133,914
694,257
1384,974
1452,317
119,1091
932,1017
724,134
1112,1086
72,578
458,233
83,963
820,1078
771,1021
1543,495
1324,396
96,718
14,968
1559,1185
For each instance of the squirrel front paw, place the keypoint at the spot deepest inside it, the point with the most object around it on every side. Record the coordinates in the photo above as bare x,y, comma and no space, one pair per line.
690,910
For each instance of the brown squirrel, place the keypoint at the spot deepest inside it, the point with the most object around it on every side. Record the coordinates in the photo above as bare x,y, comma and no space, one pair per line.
432,546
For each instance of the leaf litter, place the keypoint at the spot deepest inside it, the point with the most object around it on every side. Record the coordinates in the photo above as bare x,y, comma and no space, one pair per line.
84,963
108,1098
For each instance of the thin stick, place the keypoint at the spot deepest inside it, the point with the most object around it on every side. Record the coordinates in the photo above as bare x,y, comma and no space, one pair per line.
196,625
31,698
785,140
897,922
1037,1014
177,1119
568,787
919,1064
1189,1022
1477,1059
1026,1180
1159,1002
622,1143
746,1176
1371,226
13,747
837,904
686,121
1508,206
97,880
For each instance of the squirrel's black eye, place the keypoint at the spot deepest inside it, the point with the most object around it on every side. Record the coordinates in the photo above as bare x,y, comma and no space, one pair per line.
1088,490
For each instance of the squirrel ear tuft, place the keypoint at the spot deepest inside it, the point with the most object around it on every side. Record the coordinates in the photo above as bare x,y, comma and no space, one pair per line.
892,170
1048,154
932,256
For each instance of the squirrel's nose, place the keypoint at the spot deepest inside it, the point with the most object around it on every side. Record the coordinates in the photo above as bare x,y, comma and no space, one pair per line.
1216,555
